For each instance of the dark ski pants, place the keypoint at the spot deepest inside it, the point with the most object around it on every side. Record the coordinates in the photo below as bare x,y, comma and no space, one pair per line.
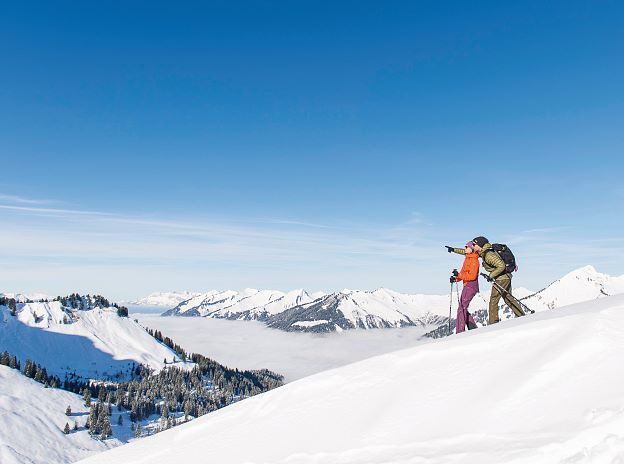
503,281
463,316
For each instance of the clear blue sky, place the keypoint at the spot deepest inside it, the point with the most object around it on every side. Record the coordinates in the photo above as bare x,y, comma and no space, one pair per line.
305,144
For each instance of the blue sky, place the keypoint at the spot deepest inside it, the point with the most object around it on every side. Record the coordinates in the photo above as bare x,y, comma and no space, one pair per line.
158,146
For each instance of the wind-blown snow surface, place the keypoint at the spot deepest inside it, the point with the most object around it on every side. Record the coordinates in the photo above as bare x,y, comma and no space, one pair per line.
96,343
546,388
32,419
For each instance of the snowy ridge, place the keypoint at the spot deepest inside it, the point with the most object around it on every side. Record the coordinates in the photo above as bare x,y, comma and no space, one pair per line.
353,414
24,298
250,304
164,299
95,343
583,284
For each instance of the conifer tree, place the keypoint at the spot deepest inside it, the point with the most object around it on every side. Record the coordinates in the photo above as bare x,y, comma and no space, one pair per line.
68,411
107,430
28,369
66,429
138,431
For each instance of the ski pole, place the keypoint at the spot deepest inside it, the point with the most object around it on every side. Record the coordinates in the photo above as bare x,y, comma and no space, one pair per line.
501,289
450,309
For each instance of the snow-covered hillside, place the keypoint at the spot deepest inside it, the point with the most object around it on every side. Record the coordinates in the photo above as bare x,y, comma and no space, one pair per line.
542,389
94,343
249,304
32,419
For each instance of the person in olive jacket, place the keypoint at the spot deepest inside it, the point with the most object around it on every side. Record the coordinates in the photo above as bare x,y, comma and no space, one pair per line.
494,264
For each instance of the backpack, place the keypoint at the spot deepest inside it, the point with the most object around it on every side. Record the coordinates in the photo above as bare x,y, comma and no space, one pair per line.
506,255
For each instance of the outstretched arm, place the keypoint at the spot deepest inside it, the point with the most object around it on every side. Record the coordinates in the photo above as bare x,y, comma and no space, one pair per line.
459,251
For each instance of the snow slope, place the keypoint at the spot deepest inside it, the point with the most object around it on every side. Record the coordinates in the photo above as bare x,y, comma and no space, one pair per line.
31,421
95,343
546,388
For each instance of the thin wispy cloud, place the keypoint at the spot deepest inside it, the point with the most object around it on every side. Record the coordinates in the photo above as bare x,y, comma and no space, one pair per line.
130,255
52,211
292,250
14,199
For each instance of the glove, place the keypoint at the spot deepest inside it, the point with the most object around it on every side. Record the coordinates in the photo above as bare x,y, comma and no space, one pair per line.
453,280
449,249
455,273
487,277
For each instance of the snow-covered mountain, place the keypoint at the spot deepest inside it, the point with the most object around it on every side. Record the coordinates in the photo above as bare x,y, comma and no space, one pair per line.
32,418
94,343
523,391
25,297
249,304
582,284
352,309
164,299
299,311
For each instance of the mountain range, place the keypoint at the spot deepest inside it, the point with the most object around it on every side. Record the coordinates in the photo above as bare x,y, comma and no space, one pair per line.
300,311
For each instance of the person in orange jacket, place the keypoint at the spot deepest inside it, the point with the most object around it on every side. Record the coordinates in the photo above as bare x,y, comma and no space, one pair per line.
469,275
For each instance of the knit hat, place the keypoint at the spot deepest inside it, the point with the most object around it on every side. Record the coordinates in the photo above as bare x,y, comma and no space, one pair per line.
470,244
481,241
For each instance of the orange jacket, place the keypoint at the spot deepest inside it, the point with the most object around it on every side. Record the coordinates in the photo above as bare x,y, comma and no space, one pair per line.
470,268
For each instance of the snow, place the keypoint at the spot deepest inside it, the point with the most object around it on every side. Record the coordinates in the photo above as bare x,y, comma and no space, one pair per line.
310,323
390,306
26,405
247,304
542,389
32,419
23,298
583,284
95,344
164,299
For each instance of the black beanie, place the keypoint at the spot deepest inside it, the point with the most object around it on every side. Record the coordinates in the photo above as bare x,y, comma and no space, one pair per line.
481,241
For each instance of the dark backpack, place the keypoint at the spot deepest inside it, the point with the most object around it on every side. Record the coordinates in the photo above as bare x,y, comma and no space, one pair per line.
506,255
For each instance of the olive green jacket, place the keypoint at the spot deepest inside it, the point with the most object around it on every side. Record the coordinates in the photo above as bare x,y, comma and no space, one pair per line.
493,263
